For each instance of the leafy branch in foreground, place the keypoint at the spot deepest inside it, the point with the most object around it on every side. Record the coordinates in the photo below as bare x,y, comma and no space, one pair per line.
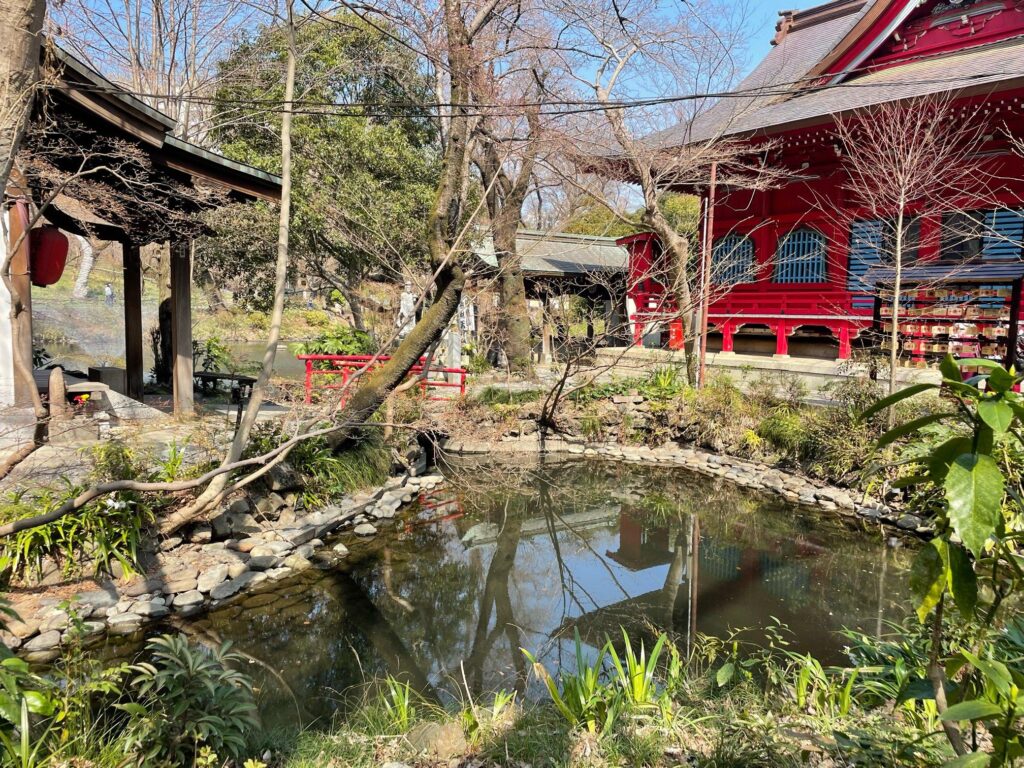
967,480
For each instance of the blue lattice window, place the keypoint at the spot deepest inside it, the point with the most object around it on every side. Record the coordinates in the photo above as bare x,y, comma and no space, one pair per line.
801,257
867,239
1004,235
732,260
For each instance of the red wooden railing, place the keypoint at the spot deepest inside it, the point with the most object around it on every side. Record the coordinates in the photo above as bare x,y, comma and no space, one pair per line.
348,366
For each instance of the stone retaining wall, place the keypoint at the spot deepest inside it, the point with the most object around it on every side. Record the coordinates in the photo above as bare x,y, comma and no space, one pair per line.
764,477
193,577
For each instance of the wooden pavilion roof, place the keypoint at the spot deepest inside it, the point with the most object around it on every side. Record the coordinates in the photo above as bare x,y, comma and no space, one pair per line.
93,142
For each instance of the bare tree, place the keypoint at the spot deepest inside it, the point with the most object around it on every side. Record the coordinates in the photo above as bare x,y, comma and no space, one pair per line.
259,390
905,162
163,51
507,190
625,51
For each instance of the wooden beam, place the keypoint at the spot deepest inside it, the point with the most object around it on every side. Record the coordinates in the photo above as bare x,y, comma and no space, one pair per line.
132,266
181,325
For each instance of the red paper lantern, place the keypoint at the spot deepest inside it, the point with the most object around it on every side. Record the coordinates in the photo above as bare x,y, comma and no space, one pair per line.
48,254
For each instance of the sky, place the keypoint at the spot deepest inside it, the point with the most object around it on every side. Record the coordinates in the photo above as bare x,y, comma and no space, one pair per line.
761,25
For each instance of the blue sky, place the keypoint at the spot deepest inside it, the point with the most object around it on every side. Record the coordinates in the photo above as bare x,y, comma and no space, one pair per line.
763,15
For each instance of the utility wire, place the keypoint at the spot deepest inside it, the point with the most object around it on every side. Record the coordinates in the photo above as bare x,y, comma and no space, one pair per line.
553,107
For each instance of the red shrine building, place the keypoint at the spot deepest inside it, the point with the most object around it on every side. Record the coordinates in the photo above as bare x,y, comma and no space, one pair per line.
793,277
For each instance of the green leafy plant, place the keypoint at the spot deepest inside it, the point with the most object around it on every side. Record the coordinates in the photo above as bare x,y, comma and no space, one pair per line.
339,340
475,720
185,699
664,383
970,486
212,355
327,473
399,703
584,698
40,357
591,426
636,675
501,396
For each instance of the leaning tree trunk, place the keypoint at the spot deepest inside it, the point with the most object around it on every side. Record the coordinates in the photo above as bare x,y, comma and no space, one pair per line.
259,390
677,251
21,24
84,267
445,221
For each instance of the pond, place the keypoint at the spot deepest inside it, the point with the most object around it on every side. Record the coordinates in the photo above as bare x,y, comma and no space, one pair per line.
504,559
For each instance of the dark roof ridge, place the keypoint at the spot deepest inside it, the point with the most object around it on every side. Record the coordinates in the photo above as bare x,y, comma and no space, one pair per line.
790,21
540,234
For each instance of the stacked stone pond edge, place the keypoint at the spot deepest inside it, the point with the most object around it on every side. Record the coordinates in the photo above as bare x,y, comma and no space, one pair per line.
192,579
763,477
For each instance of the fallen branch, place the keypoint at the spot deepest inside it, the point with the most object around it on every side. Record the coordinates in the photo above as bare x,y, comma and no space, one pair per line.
176,486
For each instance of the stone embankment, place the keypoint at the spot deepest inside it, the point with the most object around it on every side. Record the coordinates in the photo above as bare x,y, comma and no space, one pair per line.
240,549
748,474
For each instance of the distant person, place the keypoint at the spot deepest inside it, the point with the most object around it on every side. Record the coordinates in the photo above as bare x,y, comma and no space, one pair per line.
108,294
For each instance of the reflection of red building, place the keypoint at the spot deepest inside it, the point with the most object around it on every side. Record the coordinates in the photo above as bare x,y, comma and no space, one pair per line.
641,548
789,267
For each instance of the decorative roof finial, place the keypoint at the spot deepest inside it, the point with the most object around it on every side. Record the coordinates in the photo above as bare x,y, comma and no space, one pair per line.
783,26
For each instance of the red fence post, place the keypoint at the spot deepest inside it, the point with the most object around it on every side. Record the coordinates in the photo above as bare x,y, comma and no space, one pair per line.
309,381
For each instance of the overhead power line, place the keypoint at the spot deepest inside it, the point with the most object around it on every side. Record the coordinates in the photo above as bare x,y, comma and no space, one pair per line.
553,107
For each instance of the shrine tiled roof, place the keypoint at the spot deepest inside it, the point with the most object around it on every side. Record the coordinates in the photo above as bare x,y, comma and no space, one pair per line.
789,60
769,98
559,253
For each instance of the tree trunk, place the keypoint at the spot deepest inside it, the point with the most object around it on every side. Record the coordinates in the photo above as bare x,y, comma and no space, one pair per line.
505,199
676,249
376,386
445,221
81,288
894,336
514,319
355,307
21,24
259,390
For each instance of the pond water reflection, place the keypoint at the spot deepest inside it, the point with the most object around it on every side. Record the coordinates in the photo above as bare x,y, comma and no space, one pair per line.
503,560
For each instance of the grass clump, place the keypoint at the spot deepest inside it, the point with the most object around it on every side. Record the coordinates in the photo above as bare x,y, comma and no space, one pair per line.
492,396
327,473
106,531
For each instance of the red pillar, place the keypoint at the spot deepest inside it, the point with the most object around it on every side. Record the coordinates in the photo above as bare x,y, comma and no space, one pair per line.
727,332
781,340
638,331
675,334
844,343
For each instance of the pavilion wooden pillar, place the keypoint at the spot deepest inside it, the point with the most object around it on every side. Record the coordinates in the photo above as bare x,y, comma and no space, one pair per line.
546,342
21,280
181,327
131,263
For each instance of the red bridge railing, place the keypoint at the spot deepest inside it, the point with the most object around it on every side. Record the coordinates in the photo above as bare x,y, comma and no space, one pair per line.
327,372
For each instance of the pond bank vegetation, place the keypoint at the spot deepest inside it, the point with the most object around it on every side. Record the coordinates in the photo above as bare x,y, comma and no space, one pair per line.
728,702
